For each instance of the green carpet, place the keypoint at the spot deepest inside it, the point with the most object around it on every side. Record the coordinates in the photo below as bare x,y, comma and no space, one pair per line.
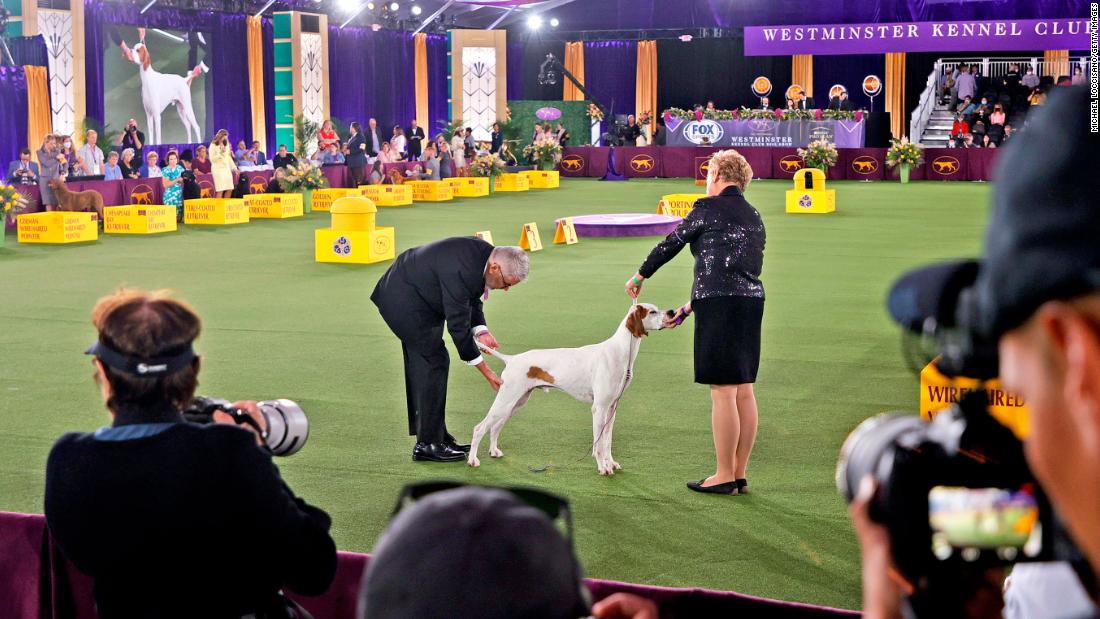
277,324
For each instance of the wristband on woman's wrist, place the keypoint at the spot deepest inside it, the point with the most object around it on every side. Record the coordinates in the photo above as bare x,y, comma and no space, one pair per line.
637,282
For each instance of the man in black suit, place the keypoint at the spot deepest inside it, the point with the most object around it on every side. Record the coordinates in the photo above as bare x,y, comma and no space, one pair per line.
444,281
374,140
804,102
356,158
415,138
24,171
841,102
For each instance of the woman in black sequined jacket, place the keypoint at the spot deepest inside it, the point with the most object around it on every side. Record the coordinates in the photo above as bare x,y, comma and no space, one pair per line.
726,235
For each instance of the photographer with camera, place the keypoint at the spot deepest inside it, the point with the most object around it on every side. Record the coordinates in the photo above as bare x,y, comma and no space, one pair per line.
170,518
1034,300
131,137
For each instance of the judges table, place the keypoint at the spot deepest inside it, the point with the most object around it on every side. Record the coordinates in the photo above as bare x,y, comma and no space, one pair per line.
951,164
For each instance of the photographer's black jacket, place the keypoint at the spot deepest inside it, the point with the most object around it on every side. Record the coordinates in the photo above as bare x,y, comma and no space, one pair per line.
174,519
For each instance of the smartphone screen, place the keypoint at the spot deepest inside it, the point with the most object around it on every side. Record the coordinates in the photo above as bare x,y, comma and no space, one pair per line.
969,522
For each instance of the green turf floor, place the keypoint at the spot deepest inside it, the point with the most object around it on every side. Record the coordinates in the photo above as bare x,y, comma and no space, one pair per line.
277,324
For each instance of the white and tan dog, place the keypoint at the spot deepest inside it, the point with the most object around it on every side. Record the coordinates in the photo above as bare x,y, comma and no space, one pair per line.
159,90
597,374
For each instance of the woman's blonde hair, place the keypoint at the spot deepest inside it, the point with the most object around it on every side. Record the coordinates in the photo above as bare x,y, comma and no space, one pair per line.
728,166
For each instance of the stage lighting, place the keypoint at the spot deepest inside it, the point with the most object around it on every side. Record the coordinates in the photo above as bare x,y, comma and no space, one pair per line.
534,22
349,5
416,10
370,6
554,22
394,6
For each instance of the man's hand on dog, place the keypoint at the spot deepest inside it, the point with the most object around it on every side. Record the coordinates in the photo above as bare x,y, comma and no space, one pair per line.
494,381
487,340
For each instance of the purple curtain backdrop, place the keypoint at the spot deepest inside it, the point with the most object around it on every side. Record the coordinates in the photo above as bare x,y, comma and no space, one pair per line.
13,115
373,74
610,74
29,51
227,57
515,69
438,89
269,84
848,71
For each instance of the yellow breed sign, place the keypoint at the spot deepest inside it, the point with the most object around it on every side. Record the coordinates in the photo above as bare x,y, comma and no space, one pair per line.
215,211
57,227
388,195
938,392
274,205
542,179
137,219
678,204
322,199
431,191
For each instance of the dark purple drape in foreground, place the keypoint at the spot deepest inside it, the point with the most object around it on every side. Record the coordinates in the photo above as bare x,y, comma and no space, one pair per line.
438,89
515,69
269,84
371,76
610,74
13,115
29,51
227,57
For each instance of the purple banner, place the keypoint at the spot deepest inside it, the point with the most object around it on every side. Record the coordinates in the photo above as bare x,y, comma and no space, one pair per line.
953,36
764,132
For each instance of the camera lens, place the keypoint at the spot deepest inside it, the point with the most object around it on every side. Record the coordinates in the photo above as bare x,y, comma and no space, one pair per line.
863,450
287,426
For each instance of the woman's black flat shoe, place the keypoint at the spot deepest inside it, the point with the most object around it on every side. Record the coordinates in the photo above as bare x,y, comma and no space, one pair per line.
729,487
742,485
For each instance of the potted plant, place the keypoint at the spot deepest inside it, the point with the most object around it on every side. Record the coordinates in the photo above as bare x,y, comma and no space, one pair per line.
12,203
544,153
305,135
906,154
487,166
819,154
303,178
595,117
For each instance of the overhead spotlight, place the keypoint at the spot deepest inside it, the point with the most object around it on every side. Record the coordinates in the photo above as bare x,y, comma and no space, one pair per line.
686,38
370,6
349,5
534,22
416,10
394,6
554,22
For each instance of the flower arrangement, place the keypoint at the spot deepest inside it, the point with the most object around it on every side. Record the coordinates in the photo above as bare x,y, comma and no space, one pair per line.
720,114
595,113
544,152
797,115
303,177
755,114
644,118
904,152
841,115
675,112
746,113
489,165
12,200
819,154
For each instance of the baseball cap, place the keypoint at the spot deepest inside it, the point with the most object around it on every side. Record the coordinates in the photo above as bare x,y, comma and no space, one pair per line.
1043,238
473,552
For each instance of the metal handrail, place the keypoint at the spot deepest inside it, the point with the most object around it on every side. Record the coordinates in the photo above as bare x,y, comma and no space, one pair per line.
919,119
996,67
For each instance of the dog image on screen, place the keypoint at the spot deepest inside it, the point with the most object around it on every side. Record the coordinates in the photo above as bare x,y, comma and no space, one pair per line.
159,90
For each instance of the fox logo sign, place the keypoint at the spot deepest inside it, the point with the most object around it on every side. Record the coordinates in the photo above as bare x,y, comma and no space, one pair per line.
703,131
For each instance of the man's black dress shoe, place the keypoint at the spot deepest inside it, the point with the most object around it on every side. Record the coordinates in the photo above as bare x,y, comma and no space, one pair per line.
730,487
436,452
450,441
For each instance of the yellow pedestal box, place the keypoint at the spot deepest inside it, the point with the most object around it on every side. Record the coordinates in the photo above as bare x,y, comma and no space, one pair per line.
542,179
353,237
938,392
139,219
274,205
387,195
471,186
678,204
431,191
809,194
216,211
453,182
512,182
57,227
322,199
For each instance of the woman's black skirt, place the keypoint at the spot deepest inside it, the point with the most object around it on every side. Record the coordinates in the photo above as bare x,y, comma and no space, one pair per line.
727,339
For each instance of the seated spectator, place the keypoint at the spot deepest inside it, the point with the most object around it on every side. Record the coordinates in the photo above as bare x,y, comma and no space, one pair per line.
1009,130
966,107
998,115
431,165
240,155
186,159
510,553
253,156
201,163
24,171
150,169
273,185
377,175
1078,77
332,155
146,506
980,116
959,128
91,156
112,171
284,159
996,133
978,129
127,165
386,155
968,141
327,136
988,142
1037,97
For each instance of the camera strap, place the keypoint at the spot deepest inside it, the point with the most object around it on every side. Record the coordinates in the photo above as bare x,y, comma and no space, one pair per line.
149,367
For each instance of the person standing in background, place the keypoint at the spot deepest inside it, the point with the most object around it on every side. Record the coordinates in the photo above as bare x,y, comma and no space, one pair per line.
415,139
171,177
201,163
358,152
458,150
91,156
132,137
221,164
374,140
496,139
52,164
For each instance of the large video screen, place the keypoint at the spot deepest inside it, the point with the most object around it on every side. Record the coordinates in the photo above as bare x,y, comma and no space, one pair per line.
158,78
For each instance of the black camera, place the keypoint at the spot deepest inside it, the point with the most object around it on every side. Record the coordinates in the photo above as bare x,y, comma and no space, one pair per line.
284,430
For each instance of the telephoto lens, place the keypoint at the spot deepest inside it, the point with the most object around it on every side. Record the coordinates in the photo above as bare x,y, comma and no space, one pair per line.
285,426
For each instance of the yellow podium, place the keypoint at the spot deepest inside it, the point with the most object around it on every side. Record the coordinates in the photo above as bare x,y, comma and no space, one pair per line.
141,219
387,195
678,204
542,179
512,182
353,237
58,227
471,186
453,182
938,391
809,194
322,199
431,191
275,205
215,211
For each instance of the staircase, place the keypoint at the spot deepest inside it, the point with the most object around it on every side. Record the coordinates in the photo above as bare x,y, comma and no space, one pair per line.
937,133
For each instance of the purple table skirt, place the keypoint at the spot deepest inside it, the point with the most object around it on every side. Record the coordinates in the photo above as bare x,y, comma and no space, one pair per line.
37,581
